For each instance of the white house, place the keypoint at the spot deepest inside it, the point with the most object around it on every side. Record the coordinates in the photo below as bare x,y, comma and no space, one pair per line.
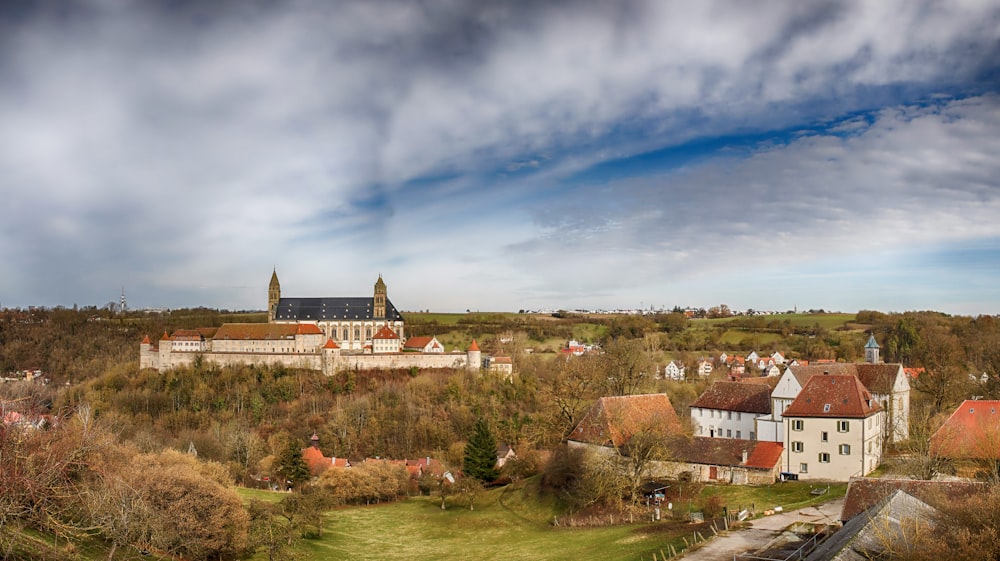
704,368
833,430
423,345
673,371
728,410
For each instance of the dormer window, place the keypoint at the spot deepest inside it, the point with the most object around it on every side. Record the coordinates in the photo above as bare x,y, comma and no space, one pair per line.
826,407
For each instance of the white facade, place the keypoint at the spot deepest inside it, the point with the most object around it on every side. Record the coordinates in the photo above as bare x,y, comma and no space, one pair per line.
832,449
723,424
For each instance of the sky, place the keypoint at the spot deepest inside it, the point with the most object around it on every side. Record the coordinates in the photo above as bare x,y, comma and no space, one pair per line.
502,155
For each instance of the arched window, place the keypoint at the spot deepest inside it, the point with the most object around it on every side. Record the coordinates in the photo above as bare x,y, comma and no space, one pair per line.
368,333
357,332
346,334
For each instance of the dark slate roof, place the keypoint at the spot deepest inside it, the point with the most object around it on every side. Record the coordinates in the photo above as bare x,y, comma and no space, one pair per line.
332,309
862,493
883,531
736,396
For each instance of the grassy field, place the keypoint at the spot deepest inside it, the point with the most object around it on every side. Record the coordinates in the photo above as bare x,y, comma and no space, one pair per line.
514,522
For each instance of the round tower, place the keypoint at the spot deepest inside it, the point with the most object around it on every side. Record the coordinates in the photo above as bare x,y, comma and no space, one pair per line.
474,356
378,309
273,296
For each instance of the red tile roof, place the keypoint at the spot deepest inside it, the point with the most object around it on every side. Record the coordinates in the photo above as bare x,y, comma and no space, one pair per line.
417,342
971,432
145,340
165,337
765,455
724,452
835,397
308,329
878,378
258,331
386,333
330,344
736,396
613,420
186,335
473,346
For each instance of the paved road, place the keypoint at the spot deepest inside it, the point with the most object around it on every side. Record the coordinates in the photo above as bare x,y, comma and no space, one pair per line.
762,531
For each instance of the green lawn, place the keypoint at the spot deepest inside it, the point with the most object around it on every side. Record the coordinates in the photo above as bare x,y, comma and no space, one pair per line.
516,524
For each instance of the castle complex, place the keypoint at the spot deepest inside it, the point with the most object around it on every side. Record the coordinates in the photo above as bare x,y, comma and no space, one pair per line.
325,334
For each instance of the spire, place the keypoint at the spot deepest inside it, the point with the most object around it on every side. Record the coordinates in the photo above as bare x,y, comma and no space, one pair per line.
871,350
473,346
871,344
274,279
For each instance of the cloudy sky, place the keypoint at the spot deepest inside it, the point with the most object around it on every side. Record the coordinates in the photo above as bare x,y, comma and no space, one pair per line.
500,155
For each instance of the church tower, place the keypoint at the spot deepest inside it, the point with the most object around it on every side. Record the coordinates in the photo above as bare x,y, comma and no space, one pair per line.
871,350
273,295
378,310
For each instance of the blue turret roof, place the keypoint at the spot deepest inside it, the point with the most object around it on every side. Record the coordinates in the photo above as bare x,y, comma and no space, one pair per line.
871,344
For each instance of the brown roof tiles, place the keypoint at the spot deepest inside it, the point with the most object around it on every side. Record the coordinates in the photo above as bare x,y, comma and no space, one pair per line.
835,397
736,396
613,420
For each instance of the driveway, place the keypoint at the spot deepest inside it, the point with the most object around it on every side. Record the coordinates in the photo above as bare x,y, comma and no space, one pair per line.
762,531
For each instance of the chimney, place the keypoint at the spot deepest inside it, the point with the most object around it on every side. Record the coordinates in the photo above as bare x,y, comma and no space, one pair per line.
744,455
826,372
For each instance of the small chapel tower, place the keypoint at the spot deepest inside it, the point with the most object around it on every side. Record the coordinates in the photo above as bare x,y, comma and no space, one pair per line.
273,295
871,350
378,310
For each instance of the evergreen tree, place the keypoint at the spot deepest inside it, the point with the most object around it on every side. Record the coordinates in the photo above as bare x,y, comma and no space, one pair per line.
291,466
481,454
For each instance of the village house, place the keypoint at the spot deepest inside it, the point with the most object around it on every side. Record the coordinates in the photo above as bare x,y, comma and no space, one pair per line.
704,368
317,462
609,425
970,436
423,345
728,410
673,371
888,384
833,430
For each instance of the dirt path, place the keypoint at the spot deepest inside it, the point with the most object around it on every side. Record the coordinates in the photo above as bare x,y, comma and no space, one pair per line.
762,531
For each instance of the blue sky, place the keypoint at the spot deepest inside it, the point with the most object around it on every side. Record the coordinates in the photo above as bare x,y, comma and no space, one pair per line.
503,155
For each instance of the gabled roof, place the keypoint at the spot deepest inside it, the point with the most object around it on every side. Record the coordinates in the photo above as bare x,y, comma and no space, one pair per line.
417,342
724,452
186,335
385,333
320,309
770,381
878,378
736,396
613,420
765,455
971,432
258,331
833,397
885,530
862,493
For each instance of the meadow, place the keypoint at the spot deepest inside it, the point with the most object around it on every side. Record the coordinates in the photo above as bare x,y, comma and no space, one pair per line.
516,523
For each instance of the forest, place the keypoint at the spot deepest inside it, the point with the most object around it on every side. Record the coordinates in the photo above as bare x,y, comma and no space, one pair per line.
241,420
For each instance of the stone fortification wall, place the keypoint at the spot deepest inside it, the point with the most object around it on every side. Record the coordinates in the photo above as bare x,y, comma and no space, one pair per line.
328,364
402,360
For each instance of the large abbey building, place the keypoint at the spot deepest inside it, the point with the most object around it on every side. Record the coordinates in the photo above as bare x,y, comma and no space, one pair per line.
326,334
351,322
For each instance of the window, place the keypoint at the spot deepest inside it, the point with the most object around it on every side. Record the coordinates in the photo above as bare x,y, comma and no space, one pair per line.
739,434
729,433
797,424
729,415
739,416
797,446
753,436
824,458
843,426
803,468
845,449
824,436
826,407
701,412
